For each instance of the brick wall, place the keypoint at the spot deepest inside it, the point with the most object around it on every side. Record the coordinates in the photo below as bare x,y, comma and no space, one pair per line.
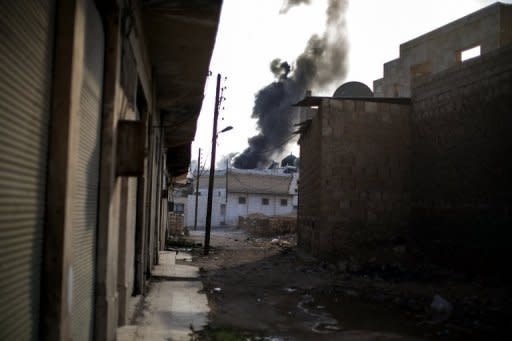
461,129
355,164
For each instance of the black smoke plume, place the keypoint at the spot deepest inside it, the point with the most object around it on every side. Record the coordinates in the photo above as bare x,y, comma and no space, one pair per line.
322,63
287,4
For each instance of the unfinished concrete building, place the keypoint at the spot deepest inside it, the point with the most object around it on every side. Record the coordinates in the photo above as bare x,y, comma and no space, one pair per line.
426,162
478,33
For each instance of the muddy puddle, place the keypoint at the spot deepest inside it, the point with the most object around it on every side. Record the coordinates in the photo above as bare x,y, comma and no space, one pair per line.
295,314
292,314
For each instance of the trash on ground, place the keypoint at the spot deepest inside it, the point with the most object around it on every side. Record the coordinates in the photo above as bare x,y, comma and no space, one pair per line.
441,308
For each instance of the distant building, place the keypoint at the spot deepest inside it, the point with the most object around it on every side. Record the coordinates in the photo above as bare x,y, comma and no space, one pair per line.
239,192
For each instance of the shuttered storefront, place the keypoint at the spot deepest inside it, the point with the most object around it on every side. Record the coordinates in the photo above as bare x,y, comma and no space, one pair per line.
85,196
26,36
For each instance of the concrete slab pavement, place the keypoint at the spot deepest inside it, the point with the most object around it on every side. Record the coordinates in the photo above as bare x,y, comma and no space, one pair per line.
174,306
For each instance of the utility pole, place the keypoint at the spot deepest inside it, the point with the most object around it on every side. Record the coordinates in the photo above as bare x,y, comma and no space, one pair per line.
227,170
226,207
212,170
198,172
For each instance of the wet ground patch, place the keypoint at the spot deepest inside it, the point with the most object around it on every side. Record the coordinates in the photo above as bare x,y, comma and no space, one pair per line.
260,290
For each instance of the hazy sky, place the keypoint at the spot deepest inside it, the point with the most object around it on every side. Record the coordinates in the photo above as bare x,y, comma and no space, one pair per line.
253,32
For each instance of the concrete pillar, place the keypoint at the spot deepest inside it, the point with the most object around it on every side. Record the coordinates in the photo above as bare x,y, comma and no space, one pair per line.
141,219
109,193
63,148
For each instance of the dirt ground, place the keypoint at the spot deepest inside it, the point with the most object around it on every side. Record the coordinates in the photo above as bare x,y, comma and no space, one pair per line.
264,289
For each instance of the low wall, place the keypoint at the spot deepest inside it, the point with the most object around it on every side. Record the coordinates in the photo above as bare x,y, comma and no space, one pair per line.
264,226
176,226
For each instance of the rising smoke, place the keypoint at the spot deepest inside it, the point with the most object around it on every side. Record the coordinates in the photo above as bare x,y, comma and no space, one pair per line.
226,160
287,4
322,63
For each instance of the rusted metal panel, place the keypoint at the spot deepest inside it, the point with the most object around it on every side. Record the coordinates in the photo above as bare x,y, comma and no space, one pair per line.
26,44
130,148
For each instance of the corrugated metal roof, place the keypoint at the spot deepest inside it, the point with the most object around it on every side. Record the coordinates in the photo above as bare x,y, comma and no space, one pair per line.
255,181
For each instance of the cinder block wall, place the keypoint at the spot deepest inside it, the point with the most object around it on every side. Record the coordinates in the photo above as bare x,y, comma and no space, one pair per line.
310,187
462,165
355,167
440,49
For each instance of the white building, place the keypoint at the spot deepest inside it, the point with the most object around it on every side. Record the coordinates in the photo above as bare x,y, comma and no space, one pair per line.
240,192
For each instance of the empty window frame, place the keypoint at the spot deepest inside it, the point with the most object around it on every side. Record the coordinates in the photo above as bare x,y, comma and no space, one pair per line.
470,53
179,208
420,69
284,202
264,201
241,200
396,90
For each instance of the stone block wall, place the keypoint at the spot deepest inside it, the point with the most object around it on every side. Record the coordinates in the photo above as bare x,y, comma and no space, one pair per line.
462,166
355,171
310,189
264,226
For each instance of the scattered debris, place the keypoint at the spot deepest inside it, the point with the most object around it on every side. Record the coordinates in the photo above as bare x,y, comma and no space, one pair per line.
277,277
342,266
351,293
399,250
441,309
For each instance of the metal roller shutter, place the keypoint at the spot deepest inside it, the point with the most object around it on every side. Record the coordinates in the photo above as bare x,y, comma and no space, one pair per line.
85,196
26,44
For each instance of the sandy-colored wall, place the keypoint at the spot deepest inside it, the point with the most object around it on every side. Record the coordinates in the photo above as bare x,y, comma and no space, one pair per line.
357,193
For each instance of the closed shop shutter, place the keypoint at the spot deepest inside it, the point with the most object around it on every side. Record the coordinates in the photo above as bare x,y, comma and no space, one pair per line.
85,196
26,44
